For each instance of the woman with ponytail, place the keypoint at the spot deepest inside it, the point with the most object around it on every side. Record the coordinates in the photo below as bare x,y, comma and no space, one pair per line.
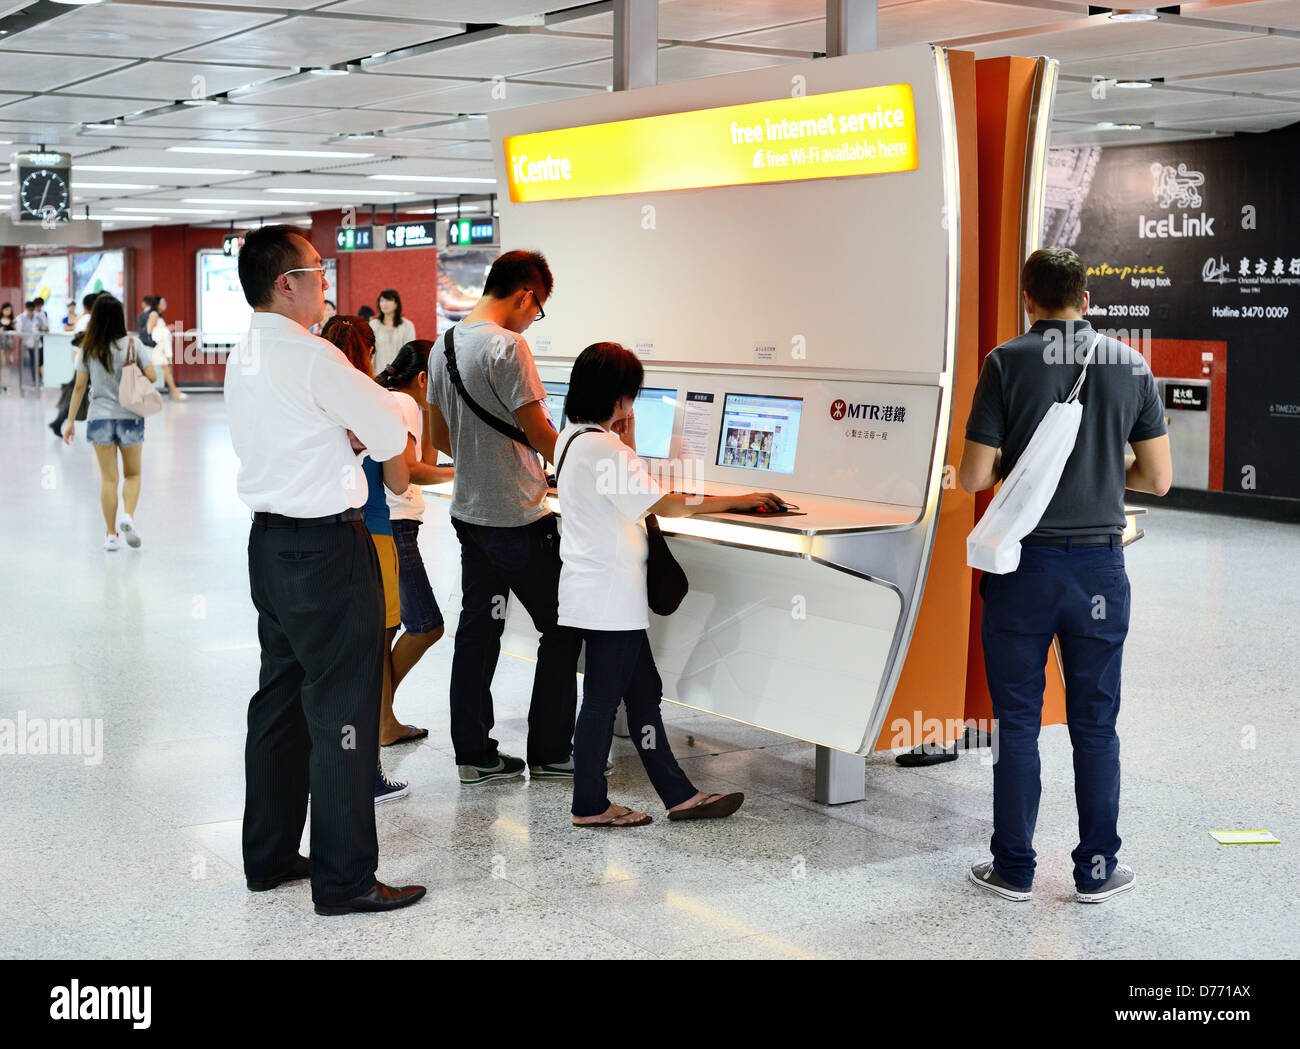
408,377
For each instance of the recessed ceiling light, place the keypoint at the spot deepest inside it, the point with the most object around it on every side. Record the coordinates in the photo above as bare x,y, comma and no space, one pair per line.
125,218
433,178
135,170
1133,14
328,71
379,54
112,185
237,151
78,3
106,125
313,192
199,102
1133,83
248,203
181,211
1106,125
358,136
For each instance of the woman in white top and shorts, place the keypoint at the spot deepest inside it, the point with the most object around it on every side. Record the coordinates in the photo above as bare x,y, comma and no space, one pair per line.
605,492
161,333
392,330
109,426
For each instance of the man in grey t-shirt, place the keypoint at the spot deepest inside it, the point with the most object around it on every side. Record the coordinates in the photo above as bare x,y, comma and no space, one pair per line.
509,540
1071,583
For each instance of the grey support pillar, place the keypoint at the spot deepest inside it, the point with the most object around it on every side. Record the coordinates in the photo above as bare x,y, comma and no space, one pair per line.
636,44
850,29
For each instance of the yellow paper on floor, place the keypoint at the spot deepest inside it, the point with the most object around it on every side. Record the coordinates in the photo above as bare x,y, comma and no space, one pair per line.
1244,837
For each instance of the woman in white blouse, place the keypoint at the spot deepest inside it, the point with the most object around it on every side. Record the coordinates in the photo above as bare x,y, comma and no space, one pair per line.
161,334
392,330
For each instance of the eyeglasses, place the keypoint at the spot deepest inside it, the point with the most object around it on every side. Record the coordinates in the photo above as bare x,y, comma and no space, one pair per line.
541,313
306,269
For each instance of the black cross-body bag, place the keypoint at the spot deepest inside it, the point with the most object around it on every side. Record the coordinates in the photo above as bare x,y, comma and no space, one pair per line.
665,580
453,373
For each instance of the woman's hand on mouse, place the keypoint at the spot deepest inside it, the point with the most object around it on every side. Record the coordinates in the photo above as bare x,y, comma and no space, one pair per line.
758,500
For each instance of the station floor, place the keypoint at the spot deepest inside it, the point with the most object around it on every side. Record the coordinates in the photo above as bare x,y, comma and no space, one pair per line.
138,856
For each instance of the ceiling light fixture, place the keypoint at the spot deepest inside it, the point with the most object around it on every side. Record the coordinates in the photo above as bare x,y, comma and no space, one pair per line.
328,71
113,185
236,151
1133,14
360,136
101,125
433,178
1133,83
248,203
181,211
134,170
78,3
199,102
1106,125
343,192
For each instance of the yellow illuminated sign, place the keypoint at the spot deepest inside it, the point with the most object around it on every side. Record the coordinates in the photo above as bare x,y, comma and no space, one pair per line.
866,131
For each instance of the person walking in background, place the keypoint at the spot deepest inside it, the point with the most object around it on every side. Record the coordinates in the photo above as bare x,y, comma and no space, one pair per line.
408,378
509,539
298,411
78,334
112,429
606,492
392,330
32,323
162,337
366,313
144,320
1071,568
8,323
357,343
330,311
7,318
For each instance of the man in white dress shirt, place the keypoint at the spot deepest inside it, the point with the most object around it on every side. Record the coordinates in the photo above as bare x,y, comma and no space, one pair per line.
298,413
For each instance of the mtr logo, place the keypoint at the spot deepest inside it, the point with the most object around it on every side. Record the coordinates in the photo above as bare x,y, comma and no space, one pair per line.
887,413
837,410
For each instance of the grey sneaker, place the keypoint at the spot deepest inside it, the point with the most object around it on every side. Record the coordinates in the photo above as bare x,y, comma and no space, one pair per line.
506,767
563,770
983,875
1121,880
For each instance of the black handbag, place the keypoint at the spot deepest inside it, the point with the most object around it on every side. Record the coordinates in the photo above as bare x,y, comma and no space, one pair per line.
665,580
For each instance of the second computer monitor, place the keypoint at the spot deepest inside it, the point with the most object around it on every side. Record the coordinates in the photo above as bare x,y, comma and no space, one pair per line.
760,433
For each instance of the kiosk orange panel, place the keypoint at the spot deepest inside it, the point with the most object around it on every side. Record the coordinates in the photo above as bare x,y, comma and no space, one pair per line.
932,684
1004,89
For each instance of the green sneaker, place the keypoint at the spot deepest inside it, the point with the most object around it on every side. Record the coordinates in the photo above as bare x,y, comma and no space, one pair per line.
506,767
563,770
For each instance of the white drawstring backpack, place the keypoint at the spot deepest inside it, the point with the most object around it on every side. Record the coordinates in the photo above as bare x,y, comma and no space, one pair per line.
994,543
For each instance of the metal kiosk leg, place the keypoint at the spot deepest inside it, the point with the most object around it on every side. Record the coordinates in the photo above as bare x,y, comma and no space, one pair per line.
841,777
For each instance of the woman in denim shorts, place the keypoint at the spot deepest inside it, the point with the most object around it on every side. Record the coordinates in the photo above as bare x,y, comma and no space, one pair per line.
408,378
110,427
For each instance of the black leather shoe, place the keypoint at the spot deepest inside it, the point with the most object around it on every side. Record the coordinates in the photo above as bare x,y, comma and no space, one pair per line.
380,898
301,869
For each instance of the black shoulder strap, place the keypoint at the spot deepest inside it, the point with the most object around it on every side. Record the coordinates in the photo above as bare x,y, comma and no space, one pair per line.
513,432
560,465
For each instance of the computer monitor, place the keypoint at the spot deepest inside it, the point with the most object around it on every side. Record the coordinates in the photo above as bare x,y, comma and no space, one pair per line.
759,433
655,410
555,394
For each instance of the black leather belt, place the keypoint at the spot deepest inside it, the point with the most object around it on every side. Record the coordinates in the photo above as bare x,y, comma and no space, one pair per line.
1074,540
280,521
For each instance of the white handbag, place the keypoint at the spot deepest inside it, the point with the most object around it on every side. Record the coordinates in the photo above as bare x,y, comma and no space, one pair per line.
135,392
1018,506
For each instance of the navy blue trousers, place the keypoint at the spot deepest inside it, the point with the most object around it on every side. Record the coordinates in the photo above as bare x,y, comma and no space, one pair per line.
1081,596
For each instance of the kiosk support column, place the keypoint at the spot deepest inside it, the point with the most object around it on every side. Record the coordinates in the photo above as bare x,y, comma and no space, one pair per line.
850,28
636,44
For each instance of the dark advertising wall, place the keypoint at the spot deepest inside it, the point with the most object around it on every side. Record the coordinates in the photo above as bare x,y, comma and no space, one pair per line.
1193,249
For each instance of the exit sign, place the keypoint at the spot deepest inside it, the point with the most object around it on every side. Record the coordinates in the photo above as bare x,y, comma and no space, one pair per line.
354,238
471,231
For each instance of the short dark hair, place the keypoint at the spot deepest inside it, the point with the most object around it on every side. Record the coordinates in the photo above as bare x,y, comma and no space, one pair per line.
603,373
38,301
264,255
87,301
366,312
1055,278
516,270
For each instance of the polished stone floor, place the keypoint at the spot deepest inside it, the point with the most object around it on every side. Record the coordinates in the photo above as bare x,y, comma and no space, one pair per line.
138,855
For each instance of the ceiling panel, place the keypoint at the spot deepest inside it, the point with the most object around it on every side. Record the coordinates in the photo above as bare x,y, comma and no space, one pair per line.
306,41
1120,138
356,89
67,108
510,55
931,21
170,81
454,130
1281,14
478,98
1084,49
1264,122
414,166
340,121
687,63
46,72
228,116
707,19
123,31
450,10
1281,81
1217,56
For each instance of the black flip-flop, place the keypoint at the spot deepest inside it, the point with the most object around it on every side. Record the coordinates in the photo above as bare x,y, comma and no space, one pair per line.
410,737
722,806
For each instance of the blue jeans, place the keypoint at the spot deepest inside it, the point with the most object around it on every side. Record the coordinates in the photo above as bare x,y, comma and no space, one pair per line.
420,611
620,666
493,563
1080,595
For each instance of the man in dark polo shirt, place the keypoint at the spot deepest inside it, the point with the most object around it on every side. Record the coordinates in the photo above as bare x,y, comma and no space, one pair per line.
1071,581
